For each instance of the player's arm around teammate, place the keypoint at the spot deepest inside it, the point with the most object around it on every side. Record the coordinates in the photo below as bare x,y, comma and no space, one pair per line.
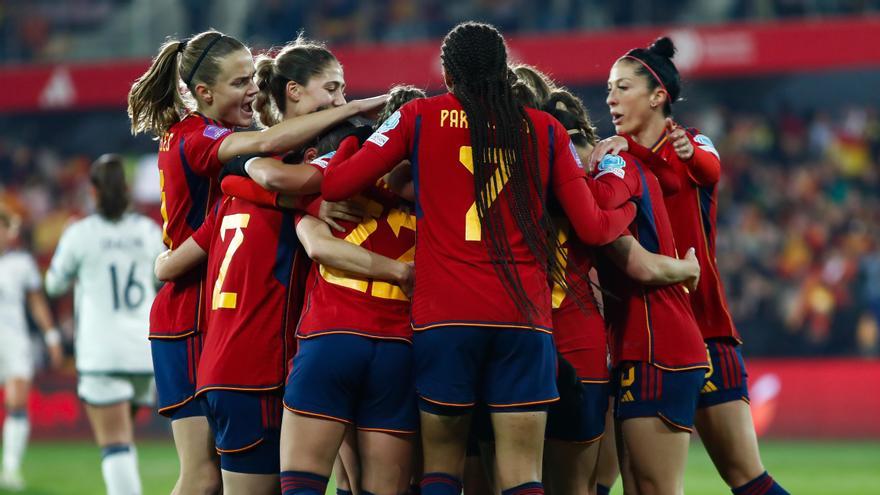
648,85
574,447
375,344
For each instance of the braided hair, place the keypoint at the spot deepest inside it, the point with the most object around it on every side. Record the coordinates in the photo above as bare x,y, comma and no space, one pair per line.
504,145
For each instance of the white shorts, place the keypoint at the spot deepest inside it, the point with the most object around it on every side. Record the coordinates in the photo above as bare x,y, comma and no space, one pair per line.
104,389
16,355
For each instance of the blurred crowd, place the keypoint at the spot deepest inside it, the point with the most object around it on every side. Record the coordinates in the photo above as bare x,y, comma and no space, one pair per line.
799,228
48,30
798,225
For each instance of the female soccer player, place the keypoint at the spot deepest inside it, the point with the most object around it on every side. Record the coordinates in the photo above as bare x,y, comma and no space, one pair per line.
657,353
110,255
363,325
20,287
194,143
643,86
576,423
249,338
481,308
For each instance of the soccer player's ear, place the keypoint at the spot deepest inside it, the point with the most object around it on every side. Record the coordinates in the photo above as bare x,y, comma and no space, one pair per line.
310,154
204,93
294,91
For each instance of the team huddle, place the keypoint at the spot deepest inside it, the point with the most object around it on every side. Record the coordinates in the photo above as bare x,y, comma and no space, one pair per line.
434,294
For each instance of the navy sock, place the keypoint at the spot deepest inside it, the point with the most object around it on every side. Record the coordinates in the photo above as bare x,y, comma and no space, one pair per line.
17,413
530,488
300,483
440,484
114,448
340,491
602,489
762,485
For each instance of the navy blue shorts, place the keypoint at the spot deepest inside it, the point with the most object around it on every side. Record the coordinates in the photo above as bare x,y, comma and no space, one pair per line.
175,362
583,423
507,369
247,429
644,390
356,380
726,380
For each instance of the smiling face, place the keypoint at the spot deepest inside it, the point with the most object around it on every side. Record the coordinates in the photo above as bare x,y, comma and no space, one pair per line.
630,100
323,90
230,98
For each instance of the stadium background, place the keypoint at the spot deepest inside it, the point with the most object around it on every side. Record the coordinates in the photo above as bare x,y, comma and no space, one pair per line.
787,89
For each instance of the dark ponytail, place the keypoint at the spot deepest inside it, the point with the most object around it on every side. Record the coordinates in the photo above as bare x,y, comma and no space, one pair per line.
298,61
397,97
504,144
655,65
540,83
108,177
570,111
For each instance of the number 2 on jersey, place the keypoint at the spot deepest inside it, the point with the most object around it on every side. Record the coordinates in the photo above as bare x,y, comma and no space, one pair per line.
396,220
238,221
473,230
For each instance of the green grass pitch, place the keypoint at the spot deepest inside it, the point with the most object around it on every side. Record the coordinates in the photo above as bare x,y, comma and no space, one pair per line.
804,468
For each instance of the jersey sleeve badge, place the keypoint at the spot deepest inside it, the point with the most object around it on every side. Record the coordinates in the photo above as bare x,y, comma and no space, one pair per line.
215,132
706,144
612,164
323,160
379,138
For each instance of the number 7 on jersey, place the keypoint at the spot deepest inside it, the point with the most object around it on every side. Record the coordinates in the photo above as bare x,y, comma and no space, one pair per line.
238,221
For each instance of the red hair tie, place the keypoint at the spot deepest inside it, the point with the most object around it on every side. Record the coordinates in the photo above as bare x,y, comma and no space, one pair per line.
645,65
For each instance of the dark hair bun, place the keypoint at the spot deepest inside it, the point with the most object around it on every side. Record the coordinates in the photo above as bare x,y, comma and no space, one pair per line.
663,47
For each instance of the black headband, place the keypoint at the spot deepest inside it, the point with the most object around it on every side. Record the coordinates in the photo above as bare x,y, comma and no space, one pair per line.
192,71
181,46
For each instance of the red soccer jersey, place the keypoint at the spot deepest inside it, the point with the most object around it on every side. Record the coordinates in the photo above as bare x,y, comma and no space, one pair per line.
693,214
578,329
456,283
252,291
342,302
652,324
188,169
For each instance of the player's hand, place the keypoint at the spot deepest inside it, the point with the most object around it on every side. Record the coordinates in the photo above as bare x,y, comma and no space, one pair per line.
159,260
691,282
56,355
371,107
52,337
608,146
682,144
407,279
340,210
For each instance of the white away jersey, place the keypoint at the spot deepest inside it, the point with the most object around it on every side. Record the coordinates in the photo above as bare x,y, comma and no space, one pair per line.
112,264
18,276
